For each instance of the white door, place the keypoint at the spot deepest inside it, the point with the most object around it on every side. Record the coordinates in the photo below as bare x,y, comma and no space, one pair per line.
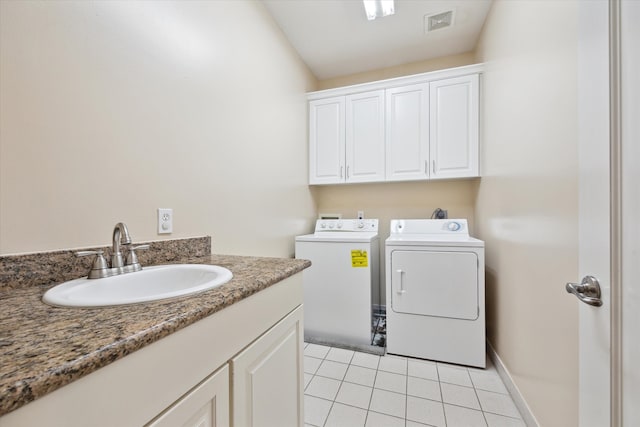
407,132
326,141
454,127
595,219
365,137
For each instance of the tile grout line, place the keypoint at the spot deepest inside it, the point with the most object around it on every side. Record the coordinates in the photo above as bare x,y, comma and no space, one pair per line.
337,391
373,387
377,370
406,395
475,391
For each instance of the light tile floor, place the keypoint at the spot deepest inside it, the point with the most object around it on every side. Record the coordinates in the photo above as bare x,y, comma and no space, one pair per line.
353,389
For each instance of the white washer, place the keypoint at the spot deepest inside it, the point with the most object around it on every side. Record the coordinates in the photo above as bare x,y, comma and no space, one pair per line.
435,291
339,285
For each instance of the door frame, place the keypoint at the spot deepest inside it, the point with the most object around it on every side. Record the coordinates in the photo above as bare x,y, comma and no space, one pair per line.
615,147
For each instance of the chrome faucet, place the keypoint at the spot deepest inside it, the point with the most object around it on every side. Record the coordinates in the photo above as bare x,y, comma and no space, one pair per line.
120,236
101,269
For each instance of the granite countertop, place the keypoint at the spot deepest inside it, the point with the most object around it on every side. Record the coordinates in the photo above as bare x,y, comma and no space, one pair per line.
43,348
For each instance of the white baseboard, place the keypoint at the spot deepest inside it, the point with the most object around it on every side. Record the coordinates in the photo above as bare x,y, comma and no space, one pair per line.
519,401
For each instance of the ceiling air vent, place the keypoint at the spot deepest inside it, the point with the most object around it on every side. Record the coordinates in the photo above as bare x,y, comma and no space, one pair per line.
438,21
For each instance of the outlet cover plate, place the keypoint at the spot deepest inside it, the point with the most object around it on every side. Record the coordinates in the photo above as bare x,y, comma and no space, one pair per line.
165,221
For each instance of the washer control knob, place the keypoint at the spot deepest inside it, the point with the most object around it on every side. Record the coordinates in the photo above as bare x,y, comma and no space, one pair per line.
339,225
360,224
323,225
453,226
331,225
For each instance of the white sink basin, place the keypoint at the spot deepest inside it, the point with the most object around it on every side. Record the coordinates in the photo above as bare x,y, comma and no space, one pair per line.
149,284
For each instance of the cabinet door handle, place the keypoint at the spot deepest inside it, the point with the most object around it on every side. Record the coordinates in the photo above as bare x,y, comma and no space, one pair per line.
433,166
401,290
426,167
347,172
341,171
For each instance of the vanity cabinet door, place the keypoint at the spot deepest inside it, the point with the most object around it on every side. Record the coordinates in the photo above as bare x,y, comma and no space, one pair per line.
267,377
454,127
207,405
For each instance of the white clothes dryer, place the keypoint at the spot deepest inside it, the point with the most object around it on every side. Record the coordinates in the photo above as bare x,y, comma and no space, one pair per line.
342,279
435,291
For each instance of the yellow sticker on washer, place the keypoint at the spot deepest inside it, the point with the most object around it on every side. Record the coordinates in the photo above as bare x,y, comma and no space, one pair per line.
359,258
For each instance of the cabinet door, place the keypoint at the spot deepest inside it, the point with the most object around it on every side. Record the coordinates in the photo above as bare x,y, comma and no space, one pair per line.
267,377
326,141
454,127
407,145
207,405
365,137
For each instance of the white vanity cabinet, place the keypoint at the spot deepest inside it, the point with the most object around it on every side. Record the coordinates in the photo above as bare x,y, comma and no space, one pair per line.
241,366
205,406
267,377
346,138
419,127
266,380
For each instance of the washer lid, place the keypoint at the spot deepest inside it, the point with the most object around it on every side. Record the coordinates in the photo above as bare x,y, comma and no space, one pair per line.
338,237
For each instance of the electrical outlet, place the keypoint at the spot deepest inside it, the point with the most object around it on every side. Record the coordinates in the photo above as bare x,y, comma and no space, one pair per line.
360,214
165,221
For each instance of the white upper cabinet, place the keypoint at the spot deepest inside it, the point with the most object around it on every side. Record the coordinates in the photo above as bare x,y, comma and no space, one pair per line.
346,139
365,137
326,141
453,127
417,127
407,132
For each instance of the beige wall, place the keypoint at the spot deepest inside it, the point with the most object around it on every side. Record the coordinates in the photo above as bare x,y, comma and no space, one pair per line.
109,110
527,200
400,70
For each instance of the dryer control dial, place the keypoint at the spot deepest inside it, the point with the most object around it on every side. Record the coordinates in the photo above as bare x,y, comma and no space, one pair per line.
453,226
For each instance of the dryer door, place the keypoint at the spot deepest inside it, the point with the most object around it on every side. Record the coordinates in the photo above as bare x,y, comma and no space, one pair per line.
435,283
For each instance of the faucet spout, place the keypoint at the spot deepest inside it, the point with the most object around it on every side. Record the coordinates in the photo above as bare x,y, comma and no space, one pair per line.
120,237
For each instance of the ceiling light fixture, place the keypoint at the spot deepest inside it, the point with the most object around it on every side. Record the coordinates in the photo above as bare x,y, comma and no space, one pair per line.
378,8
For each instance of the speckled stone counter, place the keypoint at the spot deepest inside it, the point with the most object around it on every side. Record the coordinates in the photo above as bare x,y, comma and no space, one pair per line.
42,348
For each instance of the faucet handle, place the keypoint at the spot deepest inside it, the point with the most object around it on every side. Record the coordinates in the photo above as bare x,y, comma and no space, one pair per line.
99,266
87,253
145,246
132,258
99,263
